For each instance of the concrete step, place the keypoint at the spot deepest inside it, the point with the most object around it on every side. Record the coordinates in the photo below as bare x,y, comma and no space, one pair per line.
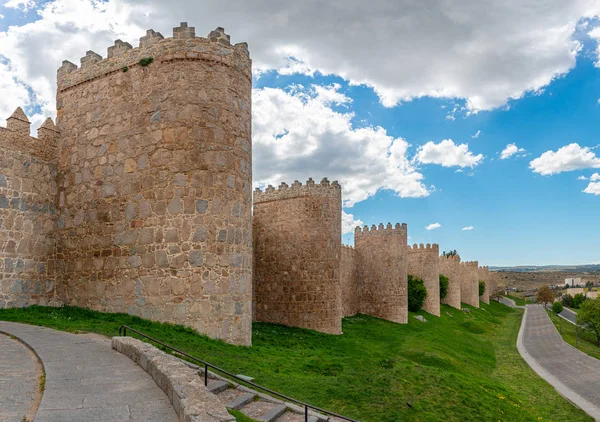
216,387
240,401
272,414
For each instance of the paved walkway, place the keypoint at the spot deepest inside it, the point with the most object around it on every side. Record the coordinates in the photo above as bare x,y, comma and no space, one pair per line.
88,381
573,373
569,315
509,302
18,380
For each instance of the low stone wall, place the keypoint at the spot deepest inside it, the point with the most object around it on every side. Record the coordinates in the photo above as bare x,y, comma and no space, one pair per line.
184,387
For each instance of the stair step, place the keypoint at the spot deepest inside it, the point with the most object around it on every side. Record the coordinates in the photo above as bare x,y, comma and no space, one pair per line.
272,414
216,387
240,401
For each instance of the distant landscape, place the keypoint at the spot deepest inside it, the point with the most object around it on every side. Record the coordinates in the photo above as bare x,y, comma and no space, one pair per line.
527,277
584,268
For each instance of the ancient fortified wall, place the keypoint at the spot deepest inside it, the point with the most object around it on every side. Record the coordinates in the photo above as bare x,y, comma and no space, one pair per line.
424,262
349,281
483,274
382,254
450,267
469,283
27,212
297,255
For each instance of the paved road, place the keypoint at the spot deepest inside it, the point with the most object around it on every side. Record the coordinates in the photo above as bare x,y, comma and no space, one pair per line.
573,373
509,302
88,381
569,315
18,380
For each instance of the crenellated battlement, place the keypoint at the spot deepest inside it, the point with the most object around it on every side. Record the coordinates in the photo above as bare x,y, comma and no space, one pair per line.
450,258
474,264
424,248
297,189
381,230
348,247
216,49
16,137
485,268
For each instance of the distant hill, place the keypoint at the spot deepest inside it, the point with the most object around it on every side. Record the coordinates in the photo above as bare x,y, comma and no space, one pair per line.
585,268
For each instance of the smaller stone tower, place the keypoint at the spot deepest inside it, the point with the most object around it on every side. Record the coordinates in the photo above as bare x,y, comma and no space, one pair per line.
450,267
382,254
469,283
424,262
348,275
484,275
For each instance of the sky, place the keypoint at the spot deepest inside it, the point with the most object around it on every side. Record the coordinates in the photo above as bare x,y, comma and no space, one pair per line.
473,121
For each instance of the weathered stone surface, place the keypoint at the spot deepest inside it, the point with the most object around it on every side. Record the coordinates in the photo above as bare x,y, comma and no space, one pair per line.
349,281
483,274
450,267
423,262
469,283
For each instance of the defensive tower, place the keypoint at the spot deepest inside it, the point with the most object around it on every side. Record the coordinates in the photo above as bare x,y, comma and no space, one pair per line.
469,283
484,275
424,262
450,267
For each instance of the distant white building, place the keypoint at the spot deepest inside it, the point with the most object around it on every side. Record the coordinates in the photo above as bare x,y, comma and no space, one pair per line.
573,281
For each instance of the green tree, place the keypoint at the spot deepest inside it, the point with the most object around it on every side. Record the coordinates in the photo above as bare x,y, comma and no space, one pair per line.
481,287
588,317
567,300
443,286
578,300
544,295
416,293
589,284
557,307
450,253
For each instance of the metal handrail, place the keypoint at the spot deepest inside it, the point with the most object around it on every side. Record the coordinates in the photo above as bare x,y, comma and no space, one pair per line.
123,332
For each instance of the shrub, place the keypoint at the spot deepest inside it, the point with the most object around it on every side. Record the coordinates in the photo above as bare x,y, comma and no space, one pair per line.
557,307
578,300
416,293
567,300
481,287
589,317
146,61
443,286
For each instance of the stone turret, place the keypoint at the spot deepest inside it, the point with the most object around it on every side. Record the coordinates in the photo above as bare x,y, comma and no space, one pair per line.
423,262
18,122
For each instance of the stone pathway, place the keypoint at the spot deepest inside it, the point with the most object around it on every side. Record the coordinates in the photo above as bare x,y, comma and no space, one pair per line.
88,381
18,380
574,374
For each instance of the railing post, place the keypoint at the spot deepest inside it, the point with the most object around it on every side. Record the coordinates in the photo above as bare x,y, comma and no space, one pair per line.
205,374
305,413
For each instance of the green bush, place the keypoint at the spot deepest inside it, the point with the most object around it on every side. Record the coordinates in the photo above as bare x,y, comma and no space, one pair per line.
416,293
146,61
567,300
443,286
481,287
557,307
578,300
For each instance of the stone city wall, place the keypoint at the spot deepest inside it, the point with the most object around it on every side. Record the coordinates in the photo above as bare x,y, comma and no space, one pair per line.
297,255
469,283
483,275
450,267
27,212
348,276
382,271
154,180
424,262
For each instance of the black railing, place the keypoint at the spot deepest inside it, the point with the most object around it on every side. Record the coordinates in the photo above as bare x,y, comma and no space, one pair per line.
123,332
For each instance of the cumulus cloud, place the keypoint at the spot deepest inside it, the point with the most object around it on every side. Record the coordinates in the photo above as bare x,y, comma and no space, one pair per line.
476,134
448,154
349,223
297,134
568,158
595,177
510,150
433,226
582,178
593,188
480,52
467,228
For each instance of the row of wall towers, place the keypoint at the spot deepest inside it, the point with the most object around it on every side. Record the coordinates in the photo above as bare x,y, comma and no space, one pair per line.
140,200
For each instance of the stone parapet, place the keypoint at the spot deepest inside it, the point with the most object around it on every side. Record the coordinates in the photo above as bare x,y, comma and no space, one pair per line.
450,267
16,137
423,262
296,190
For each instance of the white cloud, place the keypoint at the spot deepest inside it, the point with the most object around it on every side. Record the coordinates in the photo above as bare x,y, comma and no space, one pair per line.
593,188
582,178
568,158
349,223
23,5
433,226
1,16
297,135
510,150
595,177
489,51
476,134
448,154
468,228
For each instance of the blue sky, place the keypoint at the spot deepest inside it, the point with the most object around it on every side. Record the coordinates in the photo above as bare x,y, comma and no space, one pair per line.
391,120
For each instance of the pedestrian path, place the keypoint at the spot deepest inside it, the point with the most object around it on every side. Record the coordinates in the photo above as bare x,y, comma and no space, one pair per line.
573,373
88,381
509,302
569,315
18,380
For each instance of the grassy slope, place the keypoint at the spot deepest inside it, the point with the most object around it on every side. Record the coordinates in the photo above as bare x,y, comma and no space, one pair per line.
460,368
519,301
587,341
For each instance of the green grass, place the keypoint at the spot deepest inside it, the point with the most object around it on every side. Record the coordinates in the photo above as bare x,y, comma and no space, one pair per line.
587,341
240,417
519,301
460,368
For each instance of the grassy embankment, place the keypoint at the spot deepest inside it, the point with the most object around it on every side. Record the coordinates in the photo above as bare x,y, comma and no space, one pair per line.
587,341
463,367
519,301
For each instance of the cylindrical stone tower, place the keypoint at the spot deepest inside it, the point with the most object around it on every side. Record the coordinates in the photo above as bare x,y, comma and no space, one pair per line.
450,267
424,262
155,176
469,283
484,275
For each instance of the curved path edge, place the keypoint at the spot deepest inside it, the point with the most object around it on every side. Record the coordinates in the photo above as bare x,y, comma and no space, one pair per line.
561,388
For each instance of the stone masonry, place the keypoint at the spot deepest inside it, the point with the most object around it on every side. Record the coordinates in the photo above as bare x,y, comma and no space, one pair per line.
297,255
424,262
469,283
382,271
348,275
484,275
450,267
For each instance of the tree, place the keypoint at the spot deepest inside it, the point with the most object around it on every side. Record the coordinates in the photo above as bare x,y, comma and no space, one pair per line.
589,284
588,317
567,300
416,293
578,300
450,253
443,286
544,295
557,307
481,287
